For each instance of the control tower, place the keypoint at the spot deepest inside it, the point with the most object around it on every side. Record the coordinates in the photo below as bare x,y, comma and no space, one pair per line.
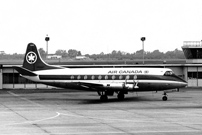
192,51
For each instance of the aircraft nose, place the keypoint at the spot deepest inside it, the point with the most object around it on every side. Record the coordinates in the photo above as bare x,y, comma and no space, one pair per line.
183,83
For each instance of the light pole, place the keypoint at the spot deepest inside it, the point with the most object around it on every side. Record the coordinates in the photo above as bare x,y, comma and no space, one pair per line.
143,39
47,39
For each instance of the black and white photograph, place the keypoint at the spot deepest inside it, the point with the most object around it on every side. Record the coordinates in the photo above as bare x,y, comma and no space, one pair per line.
101,67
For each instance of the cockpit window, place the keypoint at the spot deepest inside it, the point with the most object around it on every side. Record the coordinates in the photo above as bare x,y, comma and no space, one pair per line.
169,73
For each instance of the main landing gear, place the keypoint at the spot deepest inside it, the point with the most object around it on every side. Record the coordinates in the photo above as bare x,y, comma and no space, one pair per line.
164,98
104,95
120,96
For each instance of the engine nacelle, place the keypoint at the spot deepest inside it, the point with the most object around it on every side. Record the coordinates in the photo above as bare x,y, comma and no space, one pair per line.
129,86
122,86
114,86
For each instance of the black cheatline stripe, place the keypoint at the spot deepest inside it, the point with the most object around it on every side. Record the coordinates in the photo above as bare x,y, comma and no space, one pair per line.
109,77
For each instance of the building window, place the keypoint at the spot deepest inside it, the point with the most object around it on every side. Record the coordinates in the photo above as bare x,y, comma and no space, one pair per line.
199,75
192,75
8,78
195,75
15,78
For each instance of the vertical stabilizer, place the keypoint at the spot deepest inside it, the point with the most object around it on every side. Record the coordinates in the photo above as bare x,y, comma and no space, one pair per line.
33,60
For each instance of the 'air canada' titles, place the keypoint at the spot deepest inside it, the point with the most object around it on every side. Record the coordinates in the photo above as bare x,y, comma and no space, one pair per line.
125,72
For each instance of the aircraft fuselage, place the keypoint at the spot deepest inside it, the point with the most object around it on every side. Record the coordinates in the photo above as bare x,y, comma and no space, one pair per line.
130,79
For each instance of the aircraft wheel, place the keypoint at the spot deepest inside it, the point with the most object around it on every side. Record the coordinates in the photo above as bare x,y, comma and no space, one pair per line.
103,98
121,96
164,98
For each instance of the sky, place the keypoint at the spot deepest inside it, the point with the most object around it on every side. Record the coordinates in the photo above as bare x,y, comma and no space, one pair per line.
95,26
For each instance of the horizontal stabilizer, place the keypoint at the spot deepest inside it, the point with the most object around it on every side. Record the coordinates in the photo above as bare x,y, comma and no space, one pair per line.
24,72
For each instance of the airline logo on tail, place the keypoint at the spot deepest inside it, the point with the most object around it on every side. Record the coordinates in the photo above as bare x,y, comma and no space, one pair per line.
31,57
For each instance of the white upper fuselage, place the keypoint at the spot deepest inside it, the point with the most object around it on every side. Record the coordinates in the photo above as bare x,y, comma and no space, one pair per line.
104,71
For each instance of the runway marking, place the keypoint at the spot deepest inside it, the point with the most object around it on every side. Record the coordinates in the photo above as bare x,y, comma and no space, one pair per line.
33,122
16,95
118,132
108,132
30,122
133,132
59,114
123,120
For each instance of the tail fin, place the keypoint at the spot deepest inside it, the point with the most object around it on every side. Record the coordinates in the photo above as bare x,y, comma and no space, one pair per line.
33,60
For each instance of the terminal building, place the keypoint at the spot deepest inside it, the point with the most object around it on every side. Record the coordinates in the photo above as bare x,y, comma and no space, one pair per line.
190,70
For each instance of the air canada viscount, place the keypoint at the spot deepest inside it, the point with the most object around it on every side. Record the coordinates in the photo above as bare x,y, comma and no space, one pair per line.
105,81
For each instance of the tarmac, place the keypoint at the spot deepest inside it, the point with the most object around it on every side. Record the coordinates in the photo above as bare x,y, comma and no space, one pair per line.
56,112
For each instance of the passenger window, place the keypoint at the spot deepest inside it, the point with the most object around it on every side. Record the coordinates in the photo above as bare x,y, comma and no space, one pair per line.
92,77
135,77
78,77
113,77
127,77
120,77
85,77
72,77
99,77
106,77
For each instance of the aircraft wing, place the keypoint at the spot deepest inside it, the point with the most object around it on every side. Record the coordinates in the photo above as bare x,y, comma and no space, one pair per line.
89,85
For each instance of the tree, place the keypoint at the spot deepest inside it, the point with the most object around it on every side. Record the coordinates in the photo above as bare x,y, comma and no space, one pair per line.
63,53
138,54
156,54
42,52
72,53
79,53
175,54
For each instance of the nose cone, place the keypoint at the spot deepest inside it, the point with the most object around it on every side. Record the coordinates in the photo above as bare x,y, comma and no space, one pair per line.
182,83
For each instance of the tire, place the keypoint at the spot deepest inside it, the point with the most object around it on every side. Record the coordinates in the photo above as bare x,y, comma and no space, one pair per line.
103,98
120,96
